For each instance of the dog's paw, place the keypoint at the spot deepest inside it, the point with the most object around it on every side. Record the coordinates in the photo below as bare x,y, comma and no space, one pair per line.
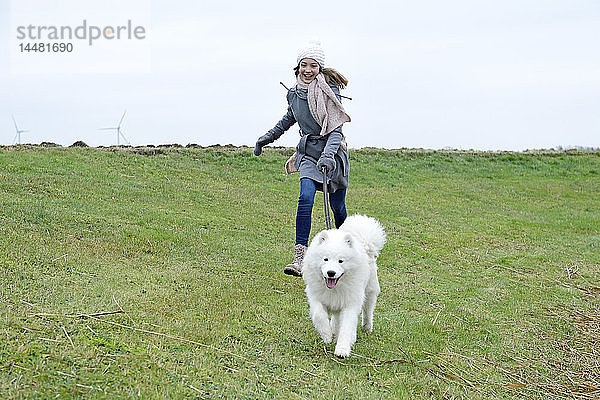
342,351
327,336
368,326
324,330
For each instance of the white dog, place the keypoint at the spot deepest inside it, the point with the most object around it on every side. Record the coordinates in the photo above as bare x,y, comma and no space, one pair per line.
340,272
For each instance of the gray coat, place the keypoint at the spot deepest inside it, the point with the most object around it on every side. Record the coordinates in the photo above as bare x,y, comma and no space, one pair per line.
312,145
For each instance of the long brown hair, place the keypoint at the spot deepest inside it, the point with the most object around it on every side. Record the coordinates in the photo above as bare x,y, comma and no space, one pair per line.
331,75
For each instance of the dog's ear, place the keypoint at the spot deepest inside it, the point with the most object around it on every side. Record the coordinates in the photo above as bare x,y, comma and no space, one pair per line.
349,240
322,237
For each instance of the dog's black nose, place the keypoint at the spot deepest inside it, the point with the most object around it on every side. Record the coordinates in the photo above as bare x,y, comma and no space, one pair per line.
331,274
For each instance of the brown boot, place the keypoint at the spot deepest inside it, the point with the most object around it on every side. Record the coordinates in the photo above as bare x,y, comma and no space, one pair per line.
295,268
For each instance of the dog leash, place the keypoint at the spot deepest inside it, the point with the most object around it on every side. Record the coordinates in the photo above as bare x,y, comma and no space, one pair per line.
326,199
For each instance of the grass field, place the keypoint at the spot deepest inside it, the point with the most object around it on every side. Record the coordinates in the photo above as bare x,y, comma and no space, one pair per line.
157,273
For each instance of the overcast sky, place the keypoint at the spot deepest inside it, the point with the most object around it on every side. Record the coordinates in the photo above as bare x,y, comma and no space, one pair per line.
489,75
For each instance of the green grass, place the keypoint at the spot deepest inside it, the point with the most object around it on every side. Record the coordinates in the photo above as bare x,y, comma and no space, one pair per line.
489,278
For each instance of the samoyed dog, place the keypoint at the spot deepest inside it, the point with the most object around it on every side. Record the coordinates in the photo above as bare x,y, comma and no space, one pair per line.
340,272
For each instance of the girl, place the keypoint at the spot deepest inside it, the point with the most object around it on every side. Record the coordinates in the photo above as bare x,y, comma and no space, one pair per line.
314,103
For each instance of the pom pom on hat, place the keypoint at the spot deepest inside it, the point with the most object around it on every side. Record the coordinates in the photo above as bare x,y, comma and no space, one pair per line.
312,50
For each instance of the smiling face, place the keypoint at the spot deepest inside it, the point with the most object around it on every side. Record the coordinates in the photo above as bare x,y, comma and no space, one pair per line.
332,254
332,270
309,69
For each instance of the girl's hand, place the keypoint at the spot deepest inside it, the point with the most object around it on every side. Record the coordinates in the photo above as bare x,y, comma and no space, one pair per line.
257,149
327,162
262,141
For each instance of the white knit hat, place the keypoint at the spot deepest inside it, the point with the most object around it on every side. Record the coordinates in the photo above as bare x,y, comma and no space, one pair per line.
312,50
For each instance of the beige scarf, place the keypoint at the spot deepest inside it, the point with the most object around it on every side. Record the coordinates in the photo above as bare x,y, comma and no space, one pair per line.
324,106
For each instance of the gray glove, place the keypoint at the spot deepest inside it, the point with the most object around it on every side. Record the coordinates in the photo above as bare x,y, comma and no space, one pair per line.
326,161
261,142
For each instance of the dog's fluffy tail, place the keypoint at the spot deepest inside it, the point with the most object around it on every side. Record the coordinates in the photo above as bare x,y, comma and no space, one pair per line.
369,230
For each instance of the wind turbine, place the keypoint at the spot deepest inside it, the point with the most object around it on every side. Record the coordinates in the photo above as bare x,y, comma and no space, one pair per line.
19,131
118,129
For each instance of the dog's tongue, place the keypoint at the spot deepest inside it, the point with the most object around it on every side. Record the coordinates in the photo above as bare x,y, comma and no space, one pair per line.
330,282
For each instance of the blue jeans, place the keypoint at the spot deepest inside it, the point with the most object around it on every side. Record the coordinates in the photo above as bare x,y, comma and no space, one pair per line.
308,189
